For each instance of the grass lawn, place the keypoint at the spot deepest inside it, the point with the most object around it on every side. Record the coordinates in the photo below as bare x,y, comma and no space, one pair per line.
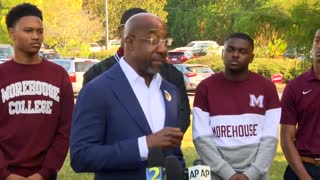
190,155
275,173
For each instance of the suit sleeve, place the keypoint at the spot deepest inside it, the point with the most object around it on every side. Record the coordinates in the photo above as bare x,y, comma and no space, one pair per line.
184,103
203,136
89,75
174,76
177,151
88,151
58,150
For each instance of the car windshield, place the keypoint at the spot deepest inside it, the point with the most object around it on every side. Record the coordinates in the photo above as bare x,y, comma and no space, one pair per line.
65,64
83,66
200,69
6,52
2,61
190,45
203,45
95,45
51,56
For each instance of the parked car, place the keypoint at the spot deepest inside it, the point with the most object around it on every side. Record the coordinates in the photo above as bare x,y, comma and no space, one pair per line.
95,47
49,54
179,56
297,53
200,48
76,68
193,74
6,51
3,60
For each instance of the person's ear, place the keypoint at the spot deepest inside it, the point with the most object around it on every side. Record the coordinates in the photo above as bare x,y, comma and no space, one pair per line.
128,43
11,34
251,58
222,53
120,30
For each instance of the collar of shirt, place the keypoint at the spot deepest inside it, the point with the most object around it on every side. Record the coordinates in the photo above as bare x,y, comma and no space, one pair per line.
133,76
310,75
150,98
118,55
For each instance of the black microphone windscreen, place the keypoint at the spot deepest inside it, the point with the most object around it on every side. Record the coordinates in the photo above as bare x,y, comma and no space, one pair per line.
197,162
155,157
173,167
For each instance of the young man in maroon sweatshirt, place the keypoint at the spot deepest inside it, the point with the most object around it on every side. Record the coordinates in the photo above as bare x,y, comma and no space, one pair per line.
36,104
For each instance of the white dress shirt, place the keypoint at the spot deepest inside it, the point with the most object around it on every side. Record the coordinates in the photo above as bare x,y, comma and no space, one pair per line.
150,99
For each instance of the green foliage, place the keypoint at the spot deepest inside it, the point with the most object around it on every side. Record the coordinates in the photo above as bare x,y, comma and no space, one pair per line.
294,22
290,68
75,50
304,16
5,6
102,54
276,48
116,9
70,28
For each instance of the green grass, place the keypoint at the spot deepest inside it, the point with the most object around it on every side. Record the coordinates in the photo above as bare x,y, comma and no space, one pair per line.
276,171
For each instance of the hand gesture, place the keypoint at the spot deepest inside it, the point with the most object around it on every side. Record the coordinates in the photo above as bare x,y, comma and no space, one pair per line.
15,177
166,138
35,177
239,176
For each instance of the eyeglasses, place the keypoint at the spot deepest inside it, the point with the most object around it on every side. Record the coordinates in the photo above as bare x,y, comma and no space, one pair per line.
154,41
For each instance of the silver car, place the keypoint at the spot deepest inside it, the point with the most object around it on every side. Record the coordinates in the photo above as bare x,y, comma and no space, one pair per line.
193,74
76,68
6,51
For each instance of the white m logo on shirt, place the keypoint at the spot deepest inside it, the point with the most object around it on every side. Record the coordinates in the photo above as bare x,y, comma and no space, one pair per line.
256,101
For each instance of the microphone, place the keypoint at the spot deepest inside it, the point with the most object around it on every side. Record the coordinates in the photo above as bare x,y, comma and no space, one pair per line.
199,171
174,170
155,170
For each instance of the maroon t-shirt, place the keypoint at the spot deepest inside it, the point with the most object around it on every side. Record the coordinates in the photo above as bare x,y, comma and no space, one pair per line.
35,116
301,106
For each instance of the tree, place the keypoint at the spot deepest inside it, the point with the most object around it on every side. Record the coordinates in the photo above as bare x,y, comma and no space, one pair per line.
116,9
70,28
5,6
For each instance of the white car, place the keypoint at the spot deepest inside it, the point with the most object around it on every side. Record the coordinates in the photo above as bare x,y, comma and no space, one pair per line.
3,60
6,51
193,74
95,47
76,68
199,48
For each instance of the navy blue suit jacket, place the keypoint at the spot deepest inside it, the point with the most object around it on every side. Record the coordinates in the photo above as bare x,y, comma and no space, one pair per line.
107,122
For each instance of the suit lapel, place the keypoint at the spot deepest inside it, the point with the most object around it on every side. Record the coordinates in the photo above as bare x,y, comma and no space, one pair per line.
128,99
168,98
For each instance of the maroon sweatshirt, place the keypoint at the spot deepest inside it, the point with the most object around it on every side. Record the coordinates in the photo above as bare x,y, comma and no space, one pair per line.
35,115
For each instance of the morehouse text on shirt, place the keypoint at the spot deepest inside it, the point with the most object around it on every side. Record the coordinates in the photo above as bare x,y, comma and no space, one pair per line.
30,88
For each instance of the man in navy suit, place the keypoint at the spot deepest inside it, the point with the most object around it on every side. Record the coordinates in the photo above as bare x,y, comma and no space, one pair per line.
128,109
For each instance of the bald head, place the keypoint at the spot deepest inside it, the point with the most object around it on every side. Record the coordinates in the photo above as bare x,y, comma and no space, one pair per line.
143,23
145,48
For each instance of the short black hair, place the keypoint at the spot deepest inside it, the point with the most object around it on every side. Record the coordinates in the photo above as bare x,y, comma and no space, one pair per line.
22,10
241,35
129,13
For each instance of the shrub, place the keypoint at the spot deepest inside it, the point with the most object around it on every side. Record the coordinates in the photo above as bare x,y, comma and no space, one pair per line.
101,55
290,68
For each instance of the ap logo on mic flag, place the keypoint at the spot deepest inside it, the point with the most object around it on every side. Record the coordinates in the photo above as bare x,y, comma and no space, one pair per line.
155,173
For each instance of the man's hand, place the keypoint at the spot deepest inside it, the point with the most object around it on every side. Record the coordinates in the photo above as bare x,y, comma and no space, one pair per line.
166,138
239,176
35,177
15,177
